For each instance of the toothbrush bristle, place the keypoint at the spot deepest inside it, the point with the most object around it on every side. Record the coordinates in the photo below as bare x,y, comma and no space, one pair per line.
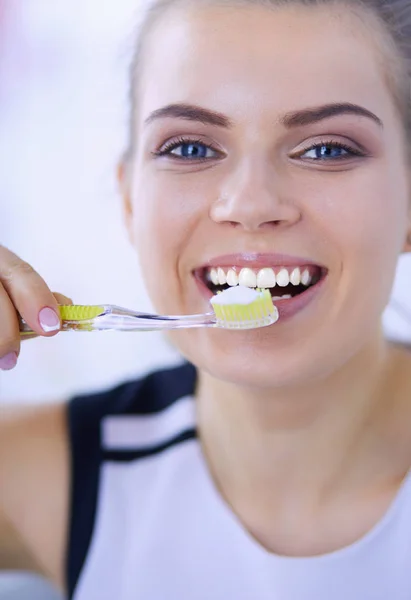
259,313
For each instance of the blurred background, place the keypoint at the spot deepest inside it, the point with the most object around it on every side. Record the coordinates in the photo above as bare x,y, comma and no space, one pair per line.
63,123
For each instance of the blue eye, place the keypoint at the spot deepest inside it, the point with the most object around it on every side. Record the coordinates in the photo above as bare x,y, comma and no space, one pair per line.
330,151
188,150
195,151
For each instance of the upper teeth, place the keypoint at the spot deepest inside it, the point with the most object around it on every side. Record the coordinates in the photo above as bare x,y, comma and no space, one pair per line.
263,278
221,277
232,278
283,278
266,278
248,278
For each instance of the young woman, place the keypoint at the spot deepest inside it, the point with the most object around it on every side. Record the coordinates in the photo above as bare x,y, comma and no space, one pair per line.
270,141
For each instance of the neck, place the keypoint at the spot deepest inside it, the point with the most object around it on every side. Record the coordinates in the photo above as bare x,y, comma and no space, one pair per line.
262,441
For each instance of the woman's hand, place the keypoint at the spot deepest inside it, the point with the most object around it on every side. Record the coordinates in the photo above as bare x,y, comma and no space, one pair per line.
24,292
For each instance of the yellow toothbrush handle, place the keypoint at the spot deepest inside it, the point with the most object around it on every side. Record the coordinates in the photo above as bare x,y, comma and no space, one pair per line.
72,313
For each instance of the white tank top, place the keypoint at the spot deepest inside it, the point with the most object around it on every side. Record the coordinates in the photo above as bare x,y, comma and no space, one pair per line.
147,522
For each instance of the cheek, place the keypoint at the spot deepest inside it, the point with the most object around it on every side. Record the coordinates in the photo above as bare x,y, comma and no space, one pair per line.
366,215
165,204
166,214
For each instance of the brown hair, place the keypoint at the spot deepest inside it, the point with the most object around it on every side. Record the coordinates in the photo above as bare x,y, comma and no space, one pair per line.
392,17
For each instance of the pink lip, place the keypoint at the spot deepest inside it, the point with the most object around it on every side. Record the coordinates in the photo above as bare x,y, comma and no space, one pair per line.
258,261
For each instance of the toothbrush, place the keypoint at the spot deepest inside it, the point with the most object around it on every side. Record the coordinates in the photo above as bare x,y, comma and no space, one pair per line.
245,309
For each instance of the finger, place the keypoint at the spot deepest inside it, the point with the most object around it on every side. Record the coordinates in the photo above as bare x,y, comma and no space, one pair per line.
62,300
29,293
9,333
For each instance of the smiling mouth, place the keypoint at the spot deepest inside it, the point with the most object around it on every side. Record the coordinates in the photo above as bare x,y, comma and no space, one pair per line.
284,283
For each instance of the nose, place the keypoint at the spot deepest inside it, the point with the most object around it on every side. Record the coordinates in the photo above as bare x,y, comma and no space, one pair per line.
253,198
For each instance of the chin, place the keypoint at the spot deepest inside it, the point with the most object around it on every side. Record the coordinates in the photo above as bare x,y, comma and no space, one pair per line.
267,358
250,359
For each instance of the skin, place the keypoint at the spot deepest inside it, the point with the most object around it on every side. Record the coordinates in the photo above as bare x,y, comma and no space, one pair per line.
322,393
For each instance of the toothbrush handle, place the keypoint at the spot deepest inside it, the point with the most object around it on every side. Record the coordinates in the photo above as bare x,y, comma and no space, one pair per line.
113,318
142,322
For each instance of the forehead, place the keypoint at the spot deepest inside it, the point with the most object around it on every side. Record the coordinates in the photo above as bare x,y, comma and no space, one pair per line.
252,59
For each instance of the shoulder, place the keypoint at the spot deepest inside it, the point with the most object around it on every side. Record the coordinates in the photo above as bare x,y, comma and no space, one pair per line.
34,453
32,434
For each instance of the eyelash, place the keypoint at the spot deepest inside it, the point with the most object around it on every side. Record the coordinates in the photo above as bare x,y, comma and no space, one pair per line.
168,147
336,144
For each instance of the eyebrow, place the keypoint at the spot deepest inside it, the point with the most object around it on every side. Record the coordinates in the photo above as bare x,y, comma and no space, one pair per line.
190,112
310,116
301,118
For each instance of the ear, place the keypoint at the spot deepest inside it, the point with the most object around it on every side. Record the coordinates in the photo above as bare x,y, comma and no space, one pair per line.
123,178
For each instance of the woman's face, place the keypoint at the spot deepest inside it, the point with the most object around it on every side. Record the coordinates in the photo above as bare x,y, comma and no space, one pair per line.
268,139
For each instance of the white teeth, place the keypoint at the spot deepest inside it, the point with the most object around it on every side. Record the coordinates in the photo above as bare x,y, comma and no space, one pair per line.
306,278
285,297
232,278
283,278
248,278
222,279
295,277
214,277
266,278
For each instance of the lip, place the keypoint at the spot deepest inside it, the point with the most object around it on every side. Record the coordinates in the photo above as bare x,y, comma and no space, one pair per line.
259,261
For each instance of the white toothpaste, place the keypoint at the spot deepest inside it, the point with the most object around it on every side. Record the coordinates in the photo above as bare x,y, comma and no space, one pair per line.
236,295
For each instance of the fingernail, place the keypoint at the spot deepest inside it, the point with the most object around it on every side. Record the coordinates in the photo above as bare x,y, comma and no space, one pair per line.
8,362
49,320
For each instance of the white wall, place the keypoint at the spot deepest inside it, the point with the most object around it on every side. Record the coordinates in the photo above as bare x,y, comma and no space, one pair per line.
63,101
